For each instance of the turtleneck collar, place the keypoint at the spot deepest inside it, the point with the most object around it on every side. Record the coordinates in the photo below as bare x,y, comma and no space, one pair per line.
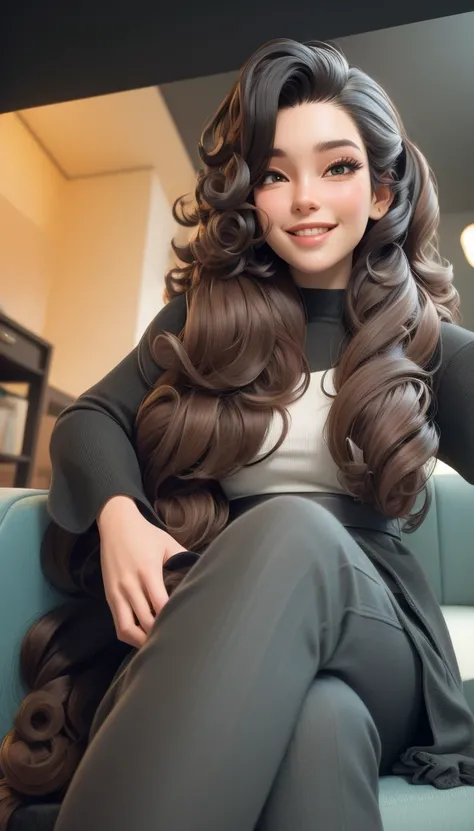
323,303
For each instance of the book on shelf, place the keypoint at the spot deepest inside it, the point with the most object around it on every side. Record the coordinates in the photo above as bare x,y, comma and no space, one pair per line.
13,413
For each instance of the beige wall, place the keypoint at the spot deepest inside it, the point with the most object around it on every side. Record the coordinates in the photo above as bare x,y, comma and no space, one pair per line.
25,268
85,227
93,308
157,255
28,177
31,194
109,133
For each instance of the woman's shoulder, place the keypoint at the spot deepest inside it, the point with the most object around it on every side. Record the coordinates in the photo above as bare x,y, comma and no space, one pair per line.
453,339
171,318
455,352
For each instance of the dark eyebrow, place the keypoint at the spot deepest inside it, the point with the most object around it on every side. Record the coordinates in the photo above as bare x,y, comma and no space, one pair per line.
321,147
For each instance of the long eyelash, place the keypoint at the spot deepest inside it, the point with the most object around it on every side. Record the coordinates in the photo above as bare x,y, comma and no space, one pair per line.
352,163
269,173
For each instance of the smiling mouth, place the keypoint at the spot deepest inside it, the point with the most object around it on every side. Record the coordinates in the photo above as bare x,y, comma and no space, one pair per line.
316,231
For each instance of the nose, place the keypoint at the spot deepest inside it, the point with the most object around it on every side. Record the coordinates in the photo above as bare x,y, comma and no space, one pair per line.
305,199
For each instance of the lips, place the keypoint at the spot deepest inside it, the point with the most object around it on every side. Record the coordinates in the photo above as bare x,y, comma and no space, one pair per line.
305,229
310,236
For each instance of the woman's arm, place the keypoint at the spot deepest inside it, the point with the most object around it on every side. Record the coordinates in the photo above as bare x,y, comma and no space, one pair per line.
92,452
454,389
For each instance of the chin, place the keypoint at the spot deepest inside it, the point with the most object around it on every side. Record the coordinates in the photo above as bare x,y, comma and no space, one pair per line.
318,266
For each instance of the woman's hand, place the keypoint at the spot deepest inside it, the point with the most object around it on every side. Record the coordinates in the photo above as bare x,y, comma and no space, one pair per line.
133,553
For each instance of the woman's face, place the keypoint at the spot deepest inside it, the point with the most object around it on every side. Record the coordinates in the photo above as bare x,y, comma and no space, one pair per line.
317,194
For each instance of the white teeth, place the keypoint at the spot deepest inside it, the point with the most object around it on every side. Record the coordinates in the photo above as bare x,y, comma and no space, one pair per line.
310,232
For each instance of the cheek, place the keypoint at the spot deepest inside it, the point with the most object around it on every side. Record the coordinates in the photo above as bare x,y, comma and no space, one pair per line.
353,201
270,204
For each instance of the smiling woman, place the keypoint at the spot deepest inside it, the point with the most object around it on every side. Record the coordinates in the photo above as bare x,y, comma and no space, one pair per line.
306,350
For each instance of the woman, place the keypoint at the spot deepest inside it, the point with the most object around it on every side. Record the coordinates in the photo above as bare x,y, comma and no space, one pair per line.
278,418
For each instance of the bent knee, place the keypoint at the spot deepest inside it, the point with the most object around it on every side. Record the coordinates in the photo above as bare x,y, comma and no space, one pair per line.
330,701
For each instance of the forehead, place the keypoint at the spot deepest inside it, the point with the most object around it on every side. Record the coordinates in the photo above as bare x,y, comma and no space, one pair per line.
305,125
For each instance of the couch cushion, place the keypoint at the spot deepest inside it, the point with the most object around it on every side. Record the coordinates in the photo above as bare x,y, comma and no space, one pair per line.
404,807
407,807
411,807
24,594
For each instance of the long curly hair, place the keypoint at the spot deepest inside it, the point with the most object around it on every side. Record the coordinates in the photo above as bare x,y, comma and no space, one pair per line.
240,360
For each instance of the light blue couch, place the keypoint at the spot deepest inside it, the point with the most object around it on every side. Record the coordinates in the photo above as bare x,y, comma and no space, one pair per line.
444,546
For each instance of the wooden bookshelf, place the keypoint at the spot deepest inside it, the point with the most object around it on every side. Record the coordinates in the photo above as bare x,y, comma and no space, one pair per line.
25,359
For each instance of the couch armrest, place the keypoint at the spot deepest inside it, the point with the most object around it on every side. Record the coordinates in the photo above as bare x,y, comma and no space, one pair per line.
444,543
24,594
454,505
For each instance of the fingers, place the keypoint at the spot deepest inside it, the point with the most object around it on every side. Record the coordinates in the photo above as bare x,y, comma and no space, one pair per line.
134,606
125,623
157,593
141,608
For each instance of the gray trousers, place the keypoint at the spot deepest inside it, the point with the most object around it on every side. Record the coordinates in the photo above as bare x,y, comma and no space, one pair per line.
276,685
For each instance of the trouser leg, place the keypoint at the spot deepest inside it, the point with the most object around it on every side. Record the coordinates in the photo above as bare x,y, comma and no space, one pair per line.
211,701
329,776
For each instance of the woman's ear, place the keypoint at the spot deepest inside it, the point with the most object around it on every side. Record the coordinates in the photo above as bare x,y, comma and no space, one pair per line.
381,201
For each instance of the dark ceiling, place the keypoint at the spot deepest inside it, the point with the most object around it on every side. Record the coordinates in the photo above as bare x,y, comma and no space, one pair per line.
57,50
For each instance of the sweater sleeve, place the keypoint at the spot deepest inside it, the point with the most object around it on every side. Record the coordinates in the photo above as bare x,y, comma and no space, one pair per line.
92,448
454,390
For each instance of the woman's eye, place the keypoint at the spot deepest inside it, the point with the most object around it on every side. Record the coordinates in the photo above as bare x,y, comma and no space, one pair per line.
272,177
343,168
338,169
